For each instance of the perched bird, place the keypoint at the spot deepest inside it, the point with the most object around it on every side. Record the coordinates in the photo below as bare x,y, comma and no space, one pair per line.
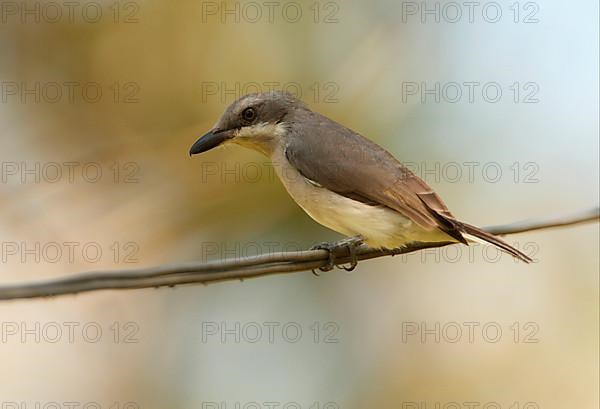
341,179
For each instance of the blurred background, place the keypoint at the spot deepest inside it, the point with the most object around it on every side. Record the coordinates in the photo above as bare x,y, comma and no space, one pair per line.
100,104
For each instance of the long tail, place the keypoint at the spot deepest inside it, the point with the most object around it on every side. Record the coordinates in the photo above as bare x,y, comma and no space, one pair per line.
462,231
469,230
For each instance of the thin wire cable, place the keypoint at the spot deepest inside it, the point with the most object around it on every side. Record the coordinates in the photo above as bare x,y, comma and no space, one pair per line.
171,275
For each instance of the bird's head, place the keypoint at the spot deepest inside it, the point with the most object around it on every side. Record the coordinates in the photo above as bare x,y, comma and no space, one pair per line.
256,121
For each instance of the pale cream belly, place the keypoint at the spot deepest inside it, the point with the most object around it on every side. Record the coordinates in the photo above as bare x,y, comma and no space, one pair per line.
380,226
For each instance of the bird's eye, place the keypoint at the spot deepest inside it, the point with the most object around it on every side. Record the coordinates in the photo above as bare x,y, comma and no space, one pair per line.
249,114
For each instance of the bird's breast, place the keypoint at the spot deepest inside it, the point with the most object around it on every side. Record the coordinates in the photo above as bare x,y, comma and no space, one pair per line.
380,226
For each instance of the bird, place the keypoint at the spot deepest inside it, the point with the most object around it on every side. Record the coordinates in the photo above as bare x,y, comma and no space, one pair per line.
341,179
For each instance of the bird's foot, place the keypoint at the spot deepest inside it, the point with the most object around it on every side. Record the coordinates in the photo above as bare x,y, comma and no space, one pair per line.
350,244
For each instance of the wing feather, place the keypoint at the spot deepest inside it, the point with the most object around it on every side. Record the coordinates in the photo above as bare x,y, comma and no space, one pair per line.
351,165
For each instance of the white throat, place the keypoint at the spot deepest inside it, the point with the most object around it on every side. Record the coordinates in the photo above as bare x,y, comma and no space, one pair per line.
262,137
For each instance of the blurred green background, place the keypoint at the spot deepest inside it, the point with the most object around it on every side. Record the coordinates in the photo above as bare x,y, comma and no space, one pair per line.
164,70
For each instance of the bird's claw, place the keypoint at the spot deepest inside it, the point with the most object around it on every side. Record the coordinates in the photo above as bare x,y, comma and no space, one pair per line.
351,244
353,259
329,247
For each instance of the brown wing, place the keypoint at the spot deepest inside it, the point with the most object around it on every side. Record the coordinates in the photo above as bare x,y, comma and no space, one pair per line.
347,163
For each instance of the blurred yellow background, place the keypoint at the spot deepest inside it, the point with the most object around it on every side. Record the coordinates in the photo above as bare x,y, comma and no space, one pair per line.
127,91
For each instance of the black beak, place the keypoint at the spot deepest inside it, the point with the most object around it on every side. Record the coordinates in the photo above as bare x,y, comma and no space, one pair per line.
210,140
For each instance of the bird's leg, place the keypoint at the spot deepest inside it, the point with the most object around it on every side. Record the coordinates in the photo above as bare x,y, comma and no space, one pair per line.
350,243
352,246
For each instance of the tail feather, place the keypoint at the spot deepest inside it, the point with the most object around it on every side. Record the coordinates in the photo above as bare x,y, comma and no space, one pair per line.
461,230
490,238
